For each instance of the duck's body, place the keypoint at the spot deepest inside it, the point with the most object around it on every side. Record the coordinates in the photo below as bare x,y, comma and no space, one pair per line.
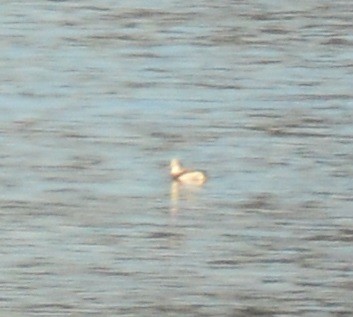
185,176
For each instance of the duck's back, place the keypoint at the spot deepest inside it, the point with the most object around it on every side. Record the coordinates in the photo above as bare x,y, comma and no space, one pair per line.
193,178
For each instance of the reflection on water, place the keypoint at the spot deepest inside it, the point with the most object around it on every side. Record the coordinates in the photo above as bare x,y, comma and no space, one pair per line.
96,97
180,193
174,197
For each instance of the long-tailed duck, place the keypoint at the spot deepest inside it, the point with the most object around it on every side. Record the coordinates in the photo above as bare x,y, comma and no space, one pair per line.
186,176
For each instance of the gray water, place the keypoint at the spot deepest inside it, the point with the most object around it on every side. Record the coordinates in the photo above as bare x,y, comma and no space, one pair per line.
97,96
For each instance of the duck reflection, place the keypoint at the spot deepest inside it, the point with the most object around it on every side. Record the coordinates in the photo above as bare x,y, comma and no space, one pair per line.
174,197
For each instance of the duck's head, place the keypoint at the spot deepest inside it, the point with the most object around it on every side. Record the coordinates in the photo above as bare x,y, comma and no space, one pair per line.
175,163
175,167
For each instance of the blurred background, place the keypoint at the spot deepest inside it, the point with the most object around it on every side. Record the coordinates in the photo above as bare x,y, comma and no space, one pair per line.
96,97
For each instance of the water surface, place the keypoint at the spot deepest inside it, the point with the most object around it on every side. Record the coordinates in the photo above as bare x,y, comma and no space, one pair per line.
97,97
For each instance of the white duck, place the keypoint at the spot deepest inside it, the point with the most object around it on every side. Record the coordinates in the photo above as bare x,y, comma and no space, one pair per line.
185,176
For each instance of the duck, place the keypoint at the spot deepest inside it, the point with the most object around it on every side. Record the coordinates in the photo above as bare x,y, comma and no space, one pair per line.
186,176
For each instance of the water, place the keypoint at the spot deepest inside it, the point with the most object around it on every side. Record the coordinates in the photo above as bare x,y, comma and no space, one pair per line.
97,97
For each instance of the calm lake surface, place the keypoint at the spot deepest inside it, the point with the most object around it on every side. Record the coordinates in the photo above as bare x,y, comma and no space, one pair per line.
96,97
